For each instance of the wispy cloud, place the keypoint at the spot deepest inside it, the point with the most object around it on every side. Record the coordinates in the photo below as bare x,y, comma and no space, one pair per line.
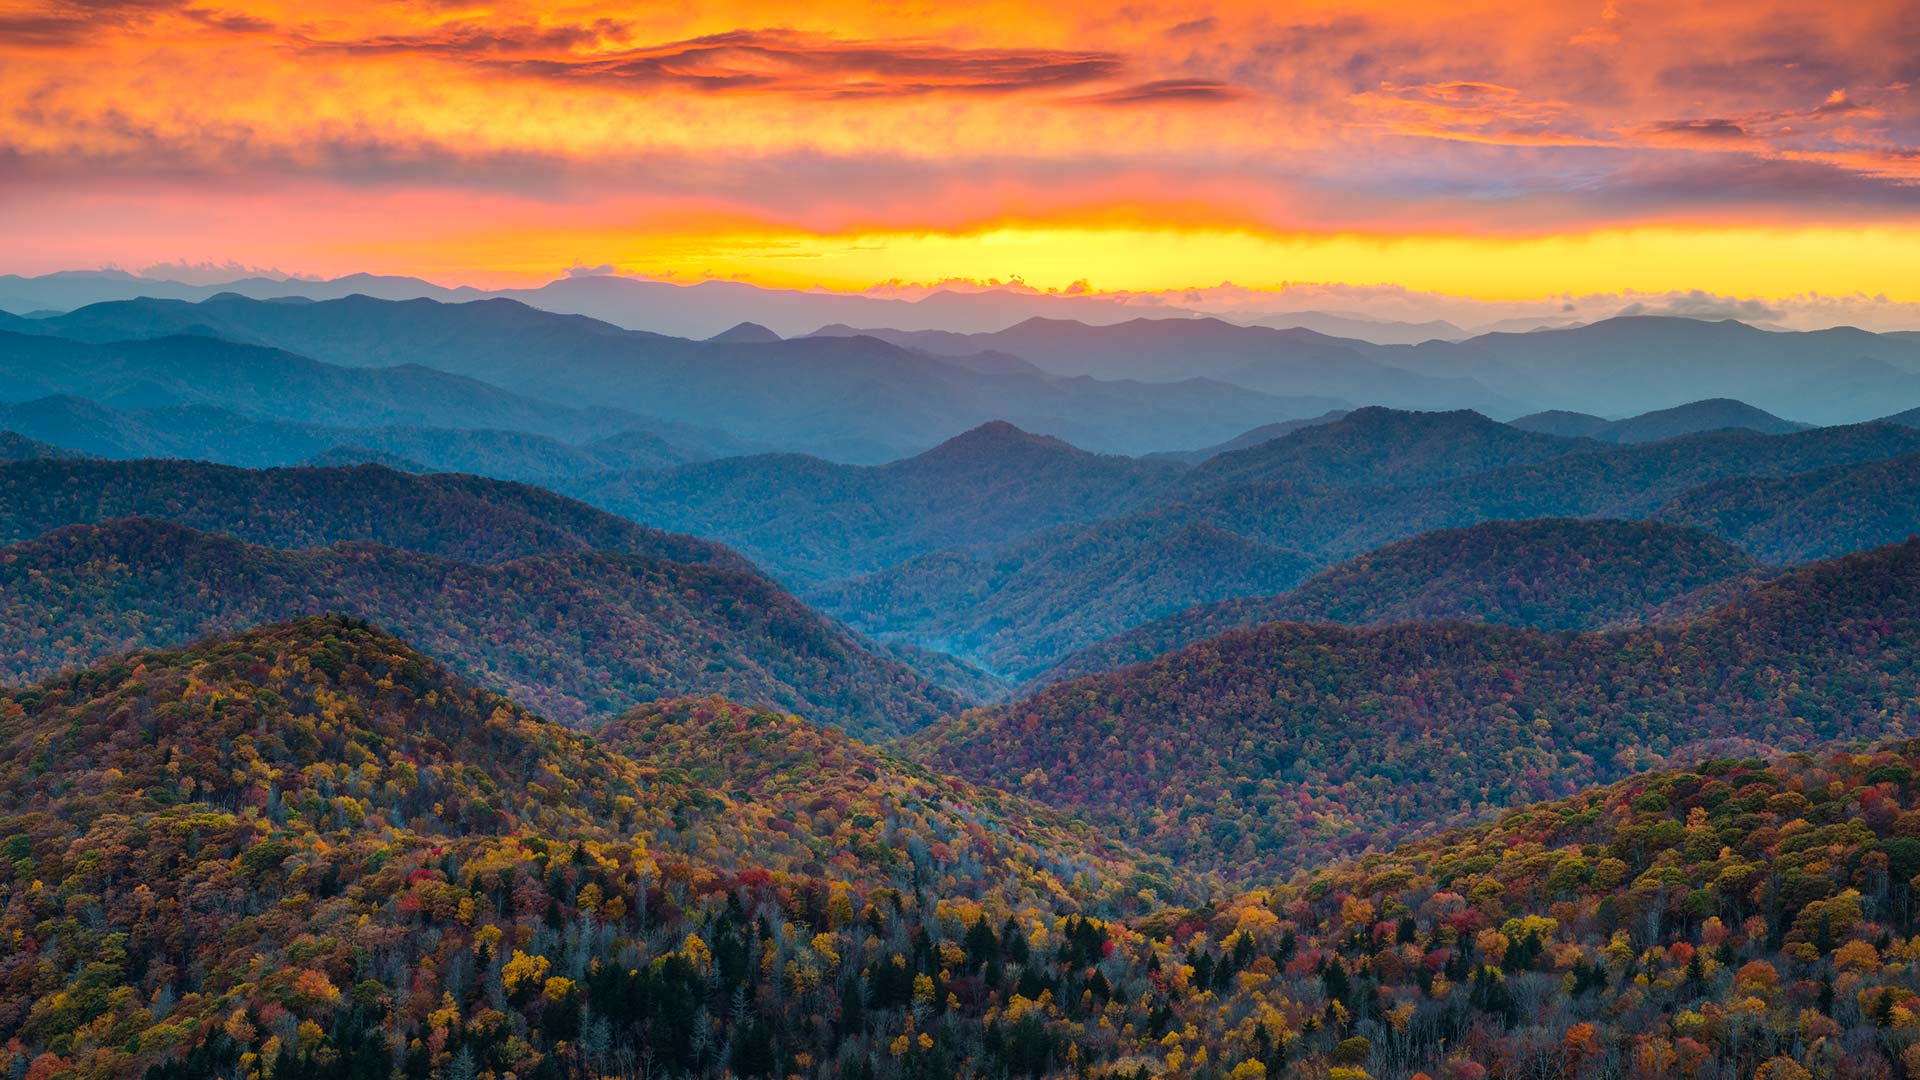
1168,91
750,61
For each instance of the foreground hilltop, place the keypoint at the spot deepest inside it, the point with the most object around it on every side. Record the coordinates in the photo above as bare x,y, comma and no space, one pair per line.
302,841
1736,919
306,850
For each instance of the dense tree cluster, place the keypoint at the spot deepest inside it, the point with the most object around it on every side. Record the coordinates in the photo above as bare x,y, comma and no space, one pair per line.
1730,920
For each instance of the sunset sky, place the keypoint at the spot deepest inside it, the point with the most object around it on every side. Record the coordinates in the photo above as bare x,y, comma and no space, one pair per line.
1497,151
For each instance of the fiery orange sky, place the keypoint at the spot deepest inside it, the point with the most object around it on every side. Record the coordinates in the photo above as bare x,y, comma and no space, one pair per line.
1485,150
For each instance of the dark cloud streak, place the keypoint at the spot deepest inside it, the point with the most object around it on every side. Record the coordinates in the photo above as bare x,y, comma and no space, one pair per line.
752,61
1168,91
73,22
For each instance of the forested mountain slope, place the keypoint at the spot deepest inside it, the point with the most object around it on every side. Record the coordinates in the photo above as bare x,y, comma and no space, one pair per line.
1735,919
1812,514
307,848
1017,611
17,447
780,762
1277,746
193,369
1008,609
309,844
1625,482
1376,447
578,635
206,433
1546,573
806,519
460,517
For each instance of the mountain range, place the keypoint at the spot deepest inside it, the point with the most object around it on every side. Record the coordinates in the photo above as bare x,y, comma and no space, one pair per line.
822,708
1633,364
1294,362
1257,522
244,810
857,399
184,370
696,310
1138,386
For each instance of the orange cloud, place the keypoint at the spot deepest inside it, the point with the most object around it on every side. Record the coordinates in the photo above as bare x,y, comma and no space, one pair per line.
152,130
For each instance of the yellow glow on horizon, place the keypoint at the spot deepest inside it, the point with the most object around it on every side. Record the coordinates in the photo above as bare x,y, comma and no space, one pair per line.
1749,261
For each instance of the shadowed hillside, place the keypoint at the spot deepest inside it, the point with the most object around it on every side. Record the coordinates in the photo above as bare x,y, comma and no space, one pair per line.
1547,573
578,635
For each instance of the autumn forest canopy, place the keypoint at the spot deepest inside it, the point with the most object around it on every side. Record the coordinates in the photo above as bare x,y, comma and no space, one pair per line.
861,541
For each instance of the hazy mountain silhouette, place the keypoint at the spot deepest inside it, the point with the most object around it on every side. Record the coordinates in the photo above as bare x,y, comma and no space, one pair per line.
1388,447
1295,362
268,383
698,310
1265,433
746,333
1362,328
856,398
1628,365
1714,414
